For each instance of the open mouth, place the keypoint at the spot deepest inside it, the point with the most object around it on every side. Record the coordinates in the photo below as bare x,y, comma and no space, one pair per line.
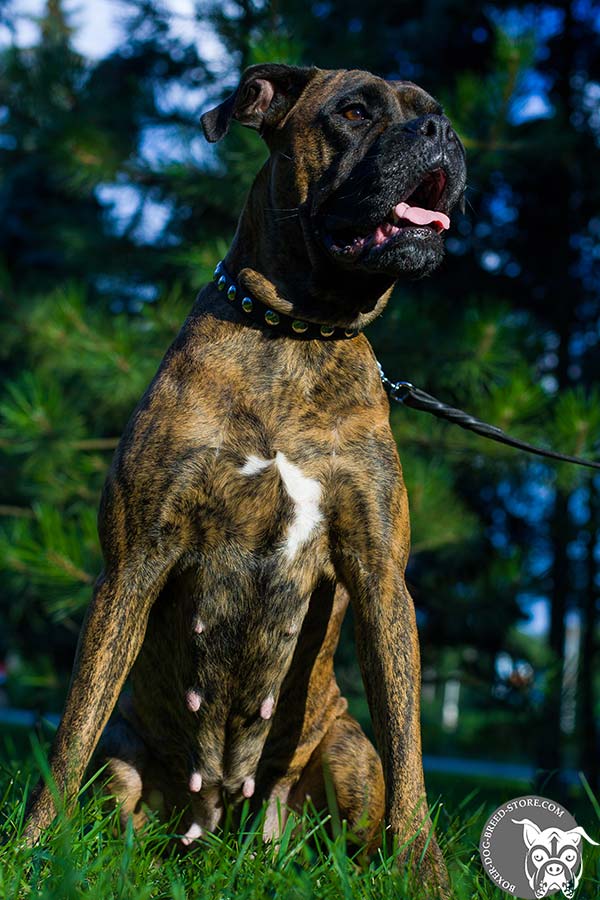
416,212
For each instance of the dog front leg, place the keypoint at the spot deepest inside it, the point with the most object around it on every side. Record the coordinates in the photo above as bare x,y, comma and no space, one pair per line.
110,639
388,652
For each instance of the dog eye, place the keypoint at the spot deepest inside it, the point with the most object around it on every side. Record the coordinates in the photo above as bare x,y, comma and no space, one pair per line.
355,113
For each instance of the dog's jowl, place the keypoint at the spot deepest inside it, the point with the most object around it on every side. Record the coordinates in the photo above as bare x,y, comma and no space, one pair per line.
257,491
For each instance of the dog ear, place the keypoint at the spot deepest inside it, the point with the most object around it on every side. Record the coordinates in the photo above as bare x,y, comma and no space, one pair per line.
265,94
530,831
577,833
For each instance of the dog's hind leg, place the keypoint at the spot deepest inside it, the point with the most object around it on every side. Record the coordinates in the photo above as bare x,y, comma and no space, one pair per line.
344,776
125,780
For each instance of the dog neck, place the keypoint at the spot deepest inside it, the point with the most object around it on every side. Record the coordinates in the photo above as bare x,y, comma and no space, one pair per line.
270,257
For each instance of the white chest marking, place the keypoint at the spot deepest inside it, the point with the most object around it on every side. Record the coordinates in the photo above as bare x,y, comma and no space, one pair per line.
303,491
254,465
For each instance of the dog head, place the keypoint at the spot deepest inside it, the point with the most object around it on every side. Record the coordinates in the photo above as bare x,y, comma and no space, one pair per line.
554,860
370,169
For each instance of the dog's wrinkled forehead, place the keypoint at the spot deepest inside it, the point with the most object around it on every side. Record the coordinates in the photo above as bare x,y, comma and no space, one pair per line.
398,100
555,840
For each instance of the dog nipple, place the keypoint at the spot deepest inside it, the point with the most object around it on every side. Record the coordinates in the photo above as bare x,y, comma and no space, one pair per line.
248,788
266,707
193,832
198,625
193,701
195,782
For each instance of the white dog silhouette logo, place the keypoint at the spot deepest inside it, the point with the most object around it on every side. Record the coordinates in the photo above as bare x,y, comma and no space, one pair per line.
553,860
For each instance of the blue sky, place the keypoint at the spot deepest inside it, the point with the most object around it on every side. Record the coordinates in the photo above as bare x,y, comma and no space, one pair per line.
97,25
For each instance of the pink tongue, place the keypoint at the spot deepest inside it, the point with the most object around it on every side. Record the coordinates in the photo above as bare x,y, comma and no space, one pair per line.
422,216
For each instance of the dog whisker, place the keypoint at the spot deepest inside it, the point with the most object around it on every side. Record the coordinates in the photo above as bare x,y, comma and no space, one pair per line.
470,205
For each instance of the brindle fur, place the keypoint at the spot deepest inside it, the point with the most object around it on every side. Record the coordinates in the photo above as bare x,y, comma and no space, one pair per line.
185,533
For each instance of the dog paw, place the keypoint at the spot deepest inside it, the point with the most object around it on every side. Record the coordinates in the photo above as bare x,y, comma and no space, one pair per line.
40,814
429,866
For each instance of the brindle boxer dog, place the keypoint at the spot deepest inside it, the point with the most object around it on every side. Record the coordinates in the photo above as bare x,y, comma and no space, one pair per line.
257,490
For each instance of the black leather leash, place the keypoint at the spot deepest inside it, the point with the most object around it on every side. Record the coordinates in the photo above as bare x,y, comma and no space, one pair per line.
406,393
401,391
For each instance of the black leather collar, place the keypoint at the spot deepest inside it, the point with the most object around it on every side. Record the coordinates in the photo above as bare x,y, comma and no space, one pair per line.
260,313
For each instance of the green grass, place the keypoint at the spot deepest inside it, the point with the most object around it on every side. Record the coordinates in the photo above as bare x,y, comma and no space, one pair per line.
85,855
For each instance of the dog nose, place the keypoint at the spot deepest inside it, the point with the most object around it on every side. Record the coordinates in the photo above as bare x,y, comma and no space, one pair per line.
554,869
433,126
